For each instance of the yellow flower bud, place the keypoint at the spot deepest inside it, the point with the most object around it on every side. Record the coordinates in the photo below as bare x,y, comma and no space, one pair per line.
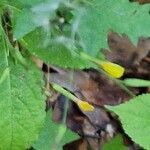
85,106
112,69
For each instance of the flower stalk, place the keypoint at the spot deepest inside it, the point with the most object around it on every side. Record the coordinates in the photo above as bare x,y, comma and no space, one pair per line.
84,106
114,70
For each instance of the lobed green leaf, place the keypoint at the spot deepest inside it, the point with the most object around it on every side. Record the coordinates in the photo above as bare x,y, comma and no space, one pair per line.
115,144
96,19
54,52
49,135
29,18
22,105
134,116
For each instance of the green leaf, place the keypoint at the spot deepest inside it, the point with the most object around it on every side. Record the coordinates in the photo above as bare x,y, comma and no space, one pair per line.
24,23
22,103
27,19
2,5
23,4
115,144
134,116
53,52
49,136
136,82
93,22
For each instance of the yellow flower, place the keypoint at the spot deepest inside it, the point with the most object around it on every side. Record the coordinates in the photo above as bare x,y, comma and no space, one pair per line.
85,106
112,69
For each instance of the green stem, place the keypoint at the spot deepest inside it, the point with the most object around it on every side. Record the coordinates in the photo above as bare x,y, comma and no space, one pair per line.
86,56
15,8
118,82
19,56
122,86
4,75
65,92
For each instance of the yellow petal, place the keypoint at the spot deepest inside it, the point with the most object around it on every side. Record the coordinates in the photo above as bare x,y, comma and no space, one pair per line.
85,106
112,69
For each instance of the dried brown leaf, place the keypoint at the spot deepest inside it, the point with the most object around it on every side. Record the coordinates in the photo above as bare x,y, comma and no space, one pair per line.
134,58
92,86
141,1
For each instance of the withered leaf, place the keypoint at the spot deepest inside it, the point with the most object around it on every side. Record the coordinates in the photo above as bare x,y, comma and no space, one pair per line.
141,1
96,127
135,59
99,126
91,86
124,52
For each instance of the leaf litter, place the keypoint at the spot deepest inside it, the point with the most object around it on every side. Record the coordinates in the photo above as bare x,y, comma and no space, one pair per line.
100,125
